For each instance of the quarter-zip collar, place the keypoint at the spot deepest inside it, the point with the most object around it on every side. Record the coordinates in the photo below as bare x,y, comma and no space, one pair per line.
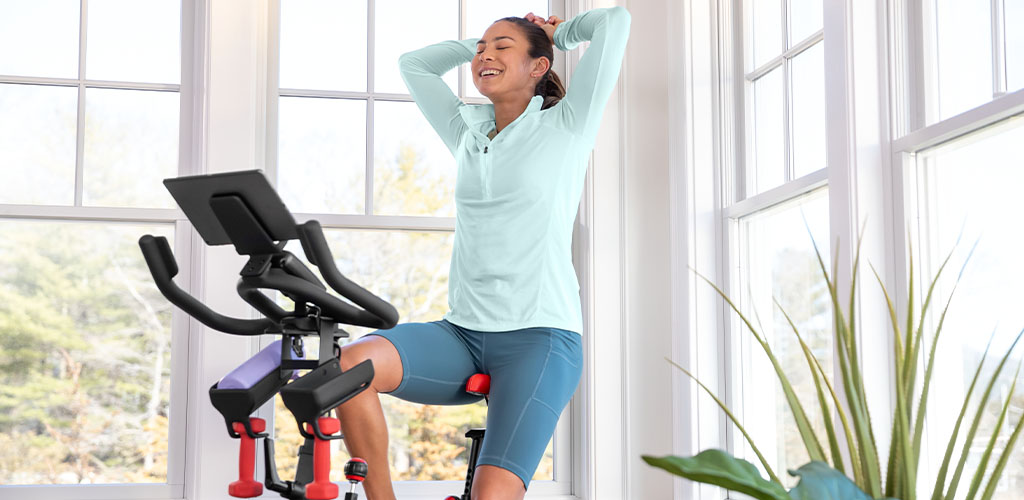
480,117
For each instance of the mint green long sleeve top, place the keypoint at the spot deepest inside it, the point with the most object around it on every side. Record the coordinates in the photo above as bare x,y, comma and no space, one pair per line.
516,195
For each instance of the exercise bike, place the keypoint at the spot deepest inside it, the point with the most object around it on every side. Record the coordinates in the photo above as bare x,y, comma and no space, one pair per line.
243,210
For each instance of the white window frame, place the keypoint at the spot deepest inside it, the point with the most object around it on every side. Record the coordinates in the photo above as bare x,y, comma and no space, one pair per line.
183,329
914,29
916,109
744,201
705,180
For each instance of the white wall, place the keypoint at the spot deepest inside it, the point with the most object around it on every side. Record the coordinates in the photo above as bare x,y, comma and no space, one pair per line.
646,232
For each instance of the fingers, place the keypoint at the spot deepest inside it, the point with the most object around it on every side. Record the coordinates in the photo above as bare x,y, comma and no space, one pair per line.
540,21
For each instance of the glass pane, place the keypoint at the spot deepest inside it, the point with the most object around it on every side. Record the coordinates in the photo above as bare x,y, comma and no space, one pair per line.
322,155
779,263
135,41
85,355
804,19
37,144
313,32
413,171
406,25
972,187
964,47
482,13
1014,44
809,110
427,442
769,132
766,24
131,145
40,38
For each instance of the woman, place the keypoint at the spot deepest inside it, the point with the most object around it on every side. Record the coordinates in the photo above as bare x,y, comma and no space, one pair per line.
513,296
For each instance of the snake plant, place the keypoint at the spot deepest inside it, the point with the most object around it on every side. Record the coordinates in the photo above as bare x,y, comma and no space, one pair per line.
859,474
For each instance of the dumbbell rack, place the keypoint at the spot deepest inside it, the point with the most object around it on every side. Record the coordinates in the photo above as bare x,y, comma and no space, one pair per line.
307,398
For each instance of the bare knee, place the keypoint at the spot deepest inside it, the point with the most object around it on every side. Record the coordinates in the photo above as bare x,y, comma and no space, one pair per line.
387,365
495,483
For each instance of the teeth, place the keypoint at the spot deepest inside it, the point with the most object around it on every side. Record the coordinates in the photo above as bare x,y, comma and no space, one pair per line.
489,72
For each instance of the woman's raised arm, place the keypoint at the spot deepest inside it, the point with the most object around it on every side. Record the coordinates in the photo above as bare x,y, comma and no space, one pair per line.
421,70
595,75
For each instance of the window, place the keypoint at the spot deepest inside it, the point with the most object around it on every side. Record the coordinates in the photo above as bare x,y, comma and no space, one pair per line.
352,150
777,210
778,263
923,144
91,356
964,190
785,92
972,54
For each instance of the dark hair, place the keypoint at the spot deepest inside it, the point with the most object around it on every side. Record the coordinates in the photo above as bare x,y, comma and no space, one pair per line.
550,85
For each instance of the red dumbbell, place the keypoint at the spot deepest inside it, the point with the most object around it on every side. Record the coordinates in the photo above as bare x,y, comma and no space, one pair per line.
246,486
322,488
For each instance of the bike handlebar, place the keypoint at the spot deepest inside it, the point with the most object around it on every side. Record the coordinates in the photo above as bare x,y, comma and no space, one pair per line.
164,268
300,283
378,312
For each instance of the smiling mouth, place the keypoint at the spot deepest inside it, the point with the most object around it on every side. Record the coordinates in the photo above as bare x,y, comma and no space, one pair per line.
491,75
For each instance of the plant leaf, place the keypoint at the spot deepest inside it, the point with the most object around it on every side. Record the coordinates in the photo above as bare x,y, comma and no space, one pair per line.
826,414
899,446
951,492
979,473
940,481
720,469
810,440
859,414
728,413
818,481
922,405
1003,458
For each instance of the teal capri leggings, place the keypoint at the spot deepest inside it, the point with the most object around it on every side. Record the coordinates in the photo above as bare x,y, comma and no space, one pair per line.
534,372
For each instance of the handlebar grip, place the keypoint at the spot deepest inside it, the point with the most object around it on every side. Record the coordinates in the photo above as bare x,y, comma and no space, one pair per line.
319,254
164,268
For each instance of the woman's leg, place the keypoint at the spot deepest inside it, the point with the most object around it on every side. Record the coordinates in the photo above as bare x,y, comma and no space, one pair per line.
420,362
534,373
362,418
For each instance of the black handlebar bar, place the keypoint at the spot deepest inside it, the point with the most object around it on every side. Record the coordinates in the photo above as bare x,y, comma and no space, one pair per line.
164,268
291,277
378,312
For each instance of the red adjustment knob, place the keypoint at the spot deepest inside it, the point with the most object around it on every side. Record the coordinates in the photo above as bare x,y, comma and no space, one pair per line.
479,384
246,486
322,488
452,497
355,470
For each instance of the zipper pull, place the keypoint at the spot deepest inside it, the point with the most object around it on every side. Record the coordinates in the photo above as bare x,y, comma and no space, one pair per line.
485,149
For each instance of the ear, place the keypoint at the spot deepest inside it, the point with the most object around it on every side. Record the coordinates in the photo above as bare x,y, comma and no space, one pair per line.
540,66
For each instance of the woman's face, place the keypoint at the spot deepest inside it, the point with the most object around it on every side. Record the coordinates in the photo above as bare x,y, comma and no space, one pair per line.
503,48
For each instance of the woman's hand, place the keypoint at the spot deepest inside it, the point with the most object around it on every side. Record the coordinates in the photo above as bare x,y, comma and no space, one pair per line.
548,25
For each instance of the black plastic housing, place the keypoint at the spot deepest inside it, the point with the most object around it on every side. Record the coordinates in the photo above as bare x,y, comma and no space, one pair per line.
324,388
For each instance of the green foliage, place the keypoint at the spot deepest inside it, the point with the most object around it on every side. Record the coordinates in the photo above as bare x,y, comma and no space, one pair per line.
819,480
719,468
84,356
